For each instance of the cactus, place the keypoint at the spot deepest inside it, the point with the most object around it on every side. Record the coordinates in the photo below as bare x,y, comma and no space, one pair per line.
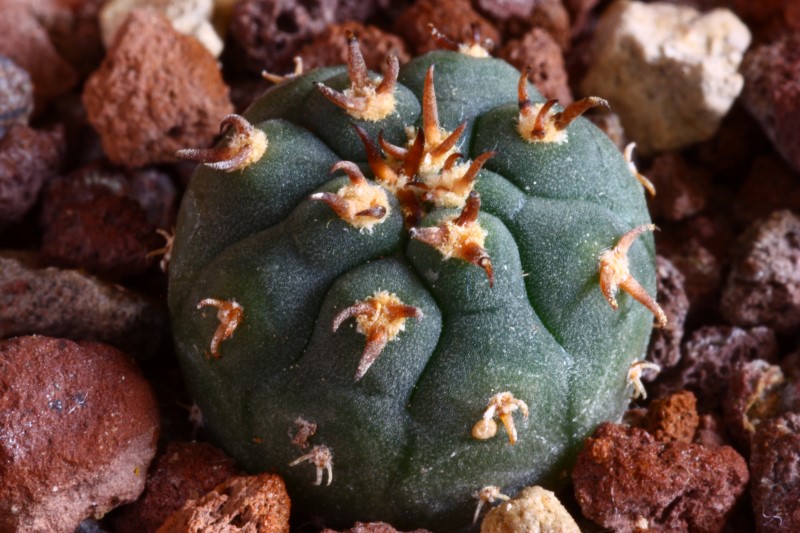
394,291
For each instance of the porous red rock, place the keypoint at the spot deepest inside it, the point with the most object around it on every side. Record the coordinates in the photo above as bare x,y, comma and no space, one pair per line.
28,158
763,286
771,185
373,527
682,188
710,431
775,474
516,18
627,481
665,343
80,426
754,395
270,32
772,92
246,503
700,268
454,18
709,356
673,418
16,95
330,46
68,303
538,50
157,91
185,471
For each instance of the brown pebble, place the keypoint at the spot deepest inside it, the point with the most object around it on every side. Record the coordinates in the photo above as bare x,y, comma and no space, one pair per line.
330,46
754,395
80,426
185,471
514,22
157,91
28,158
700,268
775,467
453,18
673,418
373,527
763,286
665,343
68,303
709,356
627,481
247,503
538,50
16,95
682,188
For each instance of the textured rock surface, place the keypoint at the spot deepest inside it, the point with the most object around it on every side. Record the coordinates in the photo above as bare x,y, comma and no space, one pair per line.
373,527
754,395
67,303
185,471
682,189
627,481
515,18
16,95
157,91
540,51
763,286
27,159
775,467
80,426
673,418
668,71
453,18
772,92
533,510
251,503
330,46
665,343
190,17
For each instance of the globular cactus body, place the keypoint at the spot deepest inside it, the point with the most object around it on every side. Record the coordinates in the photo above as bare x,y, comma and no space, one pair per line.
425,425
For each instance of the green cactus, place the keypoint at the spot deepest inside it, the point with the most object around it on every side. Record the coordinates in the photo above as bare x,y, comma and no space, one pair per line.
364,337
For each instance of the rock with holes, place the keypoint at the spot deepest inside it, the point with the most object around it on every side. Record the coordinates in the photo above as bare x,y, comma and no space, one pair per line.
387,291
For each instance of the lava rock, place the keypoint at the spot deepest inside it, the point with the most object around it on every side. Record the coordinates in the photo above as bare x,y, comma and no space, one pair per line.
538,50
28,158
517,18
668,71
157,91
772,92
185,471
763,286
80,426
16,95
701,270
627,481
373,527
246,503
68,303
754,395
673,418
775,468
665,343
330,46
682,188
532,511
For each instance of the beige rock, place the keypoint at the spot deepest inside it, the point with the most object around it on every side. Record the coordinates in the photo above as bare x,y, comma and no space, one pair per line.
534,510
190,17
669,71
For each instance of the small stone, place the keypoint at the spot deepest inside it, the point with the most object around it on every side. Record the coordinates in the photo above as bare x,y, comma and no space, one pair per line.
763,286
28,158
772,92
770,186
525,15
16,95
68,303
190,17
673,418
665,343
682,188
25,40
246,503
709,356
185,471
775,467
538,50
330,47
373,527
668,71
157,91
74,31
80,427
754,395
533,510
624,478
710,431
454,18
701,270
270,32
